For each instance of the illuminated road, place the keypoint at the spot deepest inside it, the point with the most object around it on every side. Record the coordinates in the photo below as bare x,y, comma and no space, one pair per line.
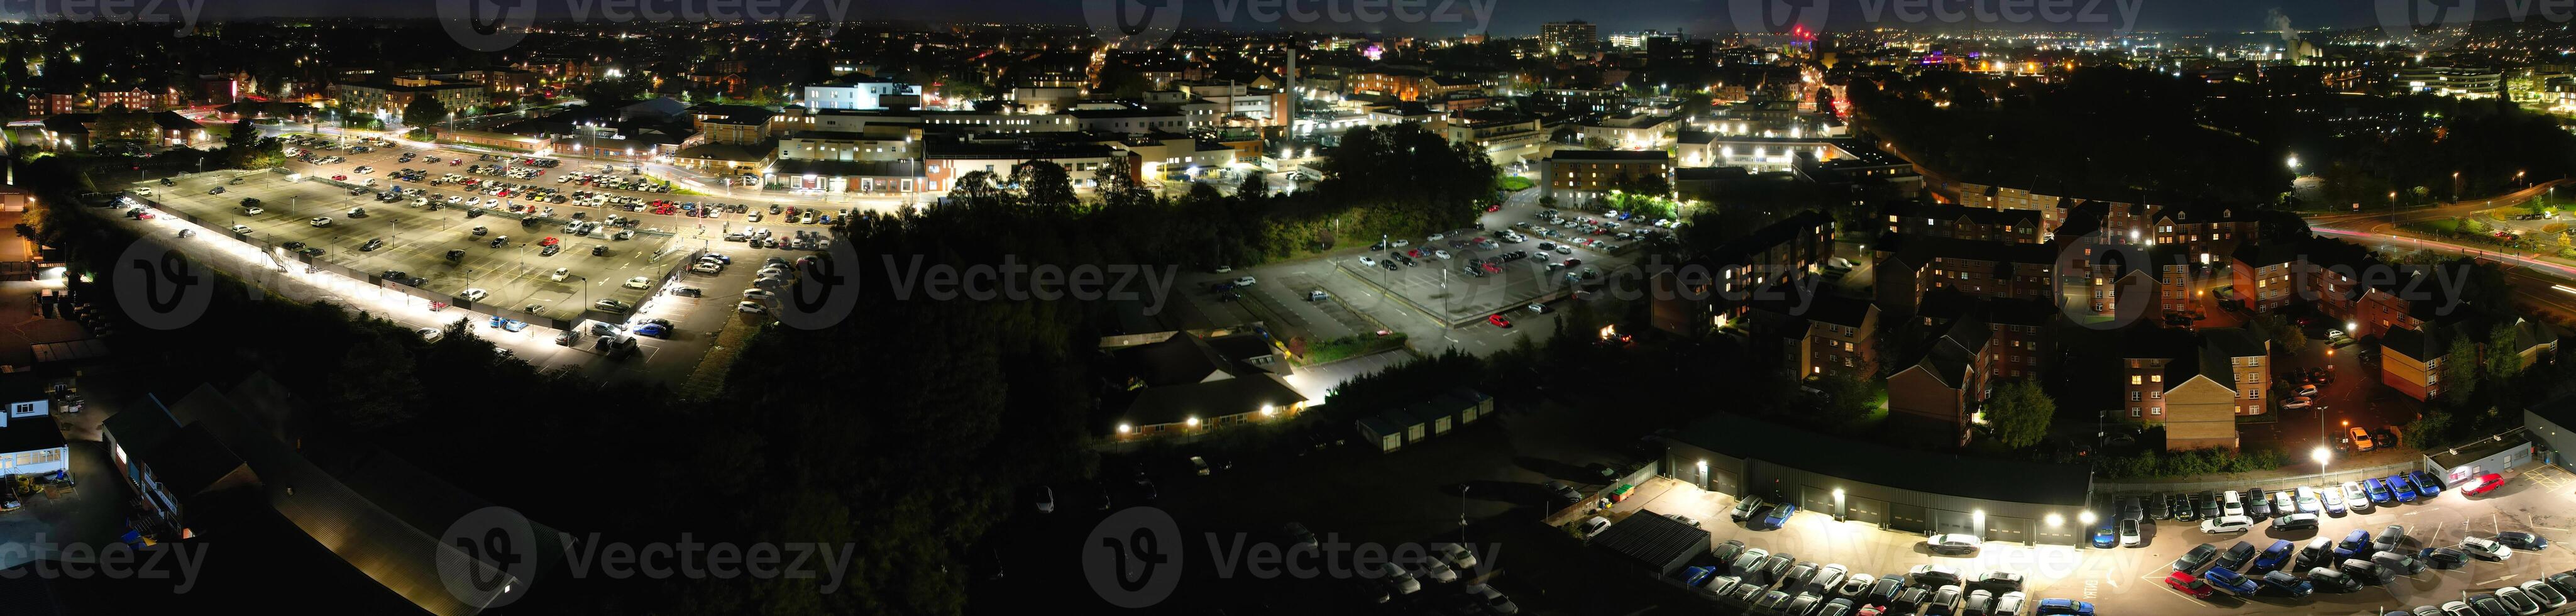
2541,283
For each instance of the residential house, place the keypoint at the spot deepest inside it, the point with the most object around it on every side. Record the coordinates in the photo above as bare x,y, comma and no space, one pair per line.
1185,384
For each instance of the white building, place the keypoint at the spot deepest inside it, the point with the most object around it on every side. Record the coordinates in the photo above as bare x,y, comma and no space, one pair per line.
860,95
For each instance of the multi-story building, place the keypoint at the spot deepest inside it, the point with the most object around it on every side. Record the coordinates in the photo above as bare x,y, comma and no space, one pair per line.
1944,378
2450,80
1841,338
1495,130
861,93
2410,360
2264,275
1908,267
1706,291
2194,385
1577,100
388,99
1964,223
1586,174
1631,131
1402,82
1570,37
2021,345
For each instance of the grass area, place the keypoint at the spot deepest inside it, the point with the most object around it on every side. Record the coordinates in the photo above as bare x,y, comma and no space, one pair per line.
1347,347
1510,183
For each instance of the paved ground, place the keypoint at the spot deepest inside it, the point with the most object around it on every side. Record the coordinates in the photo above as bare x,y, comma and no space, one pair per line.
92,513
515,274
1358,305
696,320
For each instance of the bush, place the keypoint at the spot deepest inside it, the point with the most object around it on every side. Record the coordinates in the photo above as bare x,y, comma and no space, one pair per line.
2155,465
1512,183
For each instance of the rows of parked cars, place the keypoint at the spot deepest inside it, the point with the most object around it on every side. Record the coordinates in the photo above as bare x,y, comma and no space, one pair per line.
613,181
2235,511
2359,559
1759,581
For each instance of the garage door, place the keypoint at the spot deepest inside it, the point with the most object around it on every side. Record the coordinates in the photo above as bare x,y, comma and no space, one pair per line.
2013,530
1909,518
1946,521
1868,510
1816,499
2064,534
1724,481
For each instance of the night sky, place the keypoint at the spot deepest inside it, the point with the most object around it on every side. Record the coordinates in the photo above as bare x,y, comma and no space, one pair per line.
1509,17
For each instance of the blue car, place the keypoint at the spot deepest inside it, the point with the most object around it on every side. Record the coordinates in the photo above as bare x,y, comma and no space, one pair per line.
2064,607
2379,494
2355,545
2103,537
1695,576
2230,581
2405,489
2273,556
652,331
1779,515
2425,483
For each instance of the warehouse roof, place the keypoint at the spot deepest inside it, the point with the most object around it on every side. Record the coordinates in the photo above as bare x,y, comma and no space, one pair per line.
1653,541
1876,464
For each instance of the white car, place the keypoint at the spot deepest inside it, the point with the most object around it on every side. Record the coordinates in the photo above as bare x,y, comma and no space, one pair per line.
751,307
1593,526
1432,569
1493,599
320,221
1244,281
2355,497
474,295
639,282
1437,237
2226,524
1456,555
1402,582
561,273
2482,547
1368,262
143,191
241,228
757,294
254,210
1440,254
430,334
1401,243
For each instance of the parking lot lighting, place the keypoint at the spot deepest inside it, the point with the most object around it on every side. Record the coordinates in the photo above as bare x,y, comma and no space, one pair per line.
1194,422
2320,454
1124,428
2086,517
2054,520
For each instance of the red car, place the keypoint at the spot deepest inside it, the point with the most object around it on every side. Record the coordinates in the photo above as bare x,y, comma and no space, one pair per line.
1415,253
548,241
339,178
2486,483
2189,585
1498,320
143,216
1494,208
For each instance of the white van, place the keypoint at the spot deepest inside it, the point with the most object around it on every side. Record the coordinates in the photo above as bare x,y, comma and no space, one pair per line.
2231,503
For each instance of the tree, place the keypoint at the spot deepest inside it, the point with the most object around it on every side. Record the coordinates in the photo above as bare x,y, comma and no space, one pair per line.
1254,186
2502,362
2019,413
424,111
2428,429
2460,369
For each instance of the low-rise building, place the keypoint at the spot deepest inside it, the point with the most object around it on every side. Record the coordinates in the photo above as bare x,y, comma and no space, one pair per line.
1186,384
1588,174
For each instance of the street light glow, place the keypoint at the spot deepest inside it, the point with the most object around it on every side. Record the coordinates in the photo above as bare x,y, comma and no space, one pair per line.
2320,454
2086,516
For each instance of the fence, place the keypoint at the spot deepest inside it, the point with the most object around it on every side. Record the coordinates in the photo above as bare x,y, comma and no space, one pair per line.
2328,478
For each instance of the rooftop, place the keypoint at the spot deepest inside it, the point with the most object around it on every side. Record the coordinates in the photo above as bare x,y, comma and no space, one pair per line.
1872,463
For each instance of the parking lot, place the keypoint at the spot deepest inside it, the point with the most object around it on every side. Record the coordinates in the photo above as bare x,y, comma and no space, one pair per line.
506,260
2131,580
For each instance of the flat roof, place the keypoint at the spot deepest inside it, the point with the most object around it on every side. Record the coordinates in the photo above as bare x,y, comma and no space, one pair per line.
2472,451
1877,464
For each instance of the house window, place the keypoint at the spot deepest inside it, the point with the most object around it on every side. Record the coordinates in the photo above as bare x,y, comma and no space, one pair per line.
2133,411
2156,410
2134,396
2136,380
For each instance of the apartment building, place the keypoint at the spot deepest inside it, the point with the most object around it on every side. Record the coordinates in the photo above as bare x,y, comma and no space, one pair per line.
1908,267
1963,223
1585,174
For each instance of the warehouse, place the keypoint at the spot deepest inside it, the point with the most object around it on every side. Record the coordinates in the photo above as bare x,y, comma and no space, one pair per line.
1657,543
1905,491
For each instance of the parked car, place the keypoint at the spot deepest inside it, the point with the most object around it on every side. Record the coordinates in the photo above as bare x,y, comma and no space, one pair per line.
2485,548
1952,543
2228,524
2356,497
2191,561
2332,580
1779,515
2274,557
2189,585
2354,544
2522,540
2129,537
2483,484
2427,484
2389,538
2236,555
2548,597
2361,440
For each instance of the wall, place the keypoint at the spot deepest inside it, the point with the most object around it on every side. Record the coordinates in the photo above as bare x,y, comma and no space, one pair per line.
1897,509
